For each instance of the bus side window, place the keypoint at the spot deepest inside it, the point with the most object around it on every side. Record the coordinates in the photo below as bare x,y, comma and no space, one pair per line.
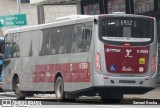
45,43
15,50
65,40
88,36
7,52
77,39
54,41
81,37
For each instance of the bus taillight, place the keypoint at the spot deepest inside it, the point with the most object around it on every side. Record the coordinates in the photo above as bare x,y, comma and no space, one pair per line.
127,44
154,64
98,66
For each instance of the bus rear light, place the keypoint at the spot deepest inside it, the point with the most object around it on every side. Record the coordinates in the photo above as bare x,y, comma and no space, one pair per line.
154,64
98,62
127,44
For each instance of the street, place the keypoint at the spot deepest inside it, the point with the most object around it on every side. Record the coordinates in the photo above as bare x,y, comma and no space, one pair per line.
49,99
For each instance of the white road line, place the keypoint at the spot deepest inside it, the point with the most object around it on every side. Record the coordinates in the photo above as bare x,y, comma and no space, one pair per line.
115,106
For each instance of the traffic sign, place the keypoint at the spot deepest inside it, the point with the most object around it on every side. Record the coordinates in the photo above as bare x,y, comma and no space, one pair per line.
13,20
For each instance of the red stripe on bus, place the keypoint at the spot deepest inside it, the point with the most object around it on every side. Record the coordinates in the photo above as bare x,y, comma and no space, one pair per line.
74,72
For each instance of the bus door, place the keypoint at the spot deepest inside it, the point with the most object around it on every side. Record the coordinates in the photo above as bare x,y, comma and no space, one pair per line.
29,49
11,58
6,74
79,58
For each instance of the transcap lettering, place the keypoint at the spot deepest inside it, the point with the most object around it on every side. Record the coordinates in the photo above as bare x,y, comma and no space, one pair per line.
83,65
113,50
143,51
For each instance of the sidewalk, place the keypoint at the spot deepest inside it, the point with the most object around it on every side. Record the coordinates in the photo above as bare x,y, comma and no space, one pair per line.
154,94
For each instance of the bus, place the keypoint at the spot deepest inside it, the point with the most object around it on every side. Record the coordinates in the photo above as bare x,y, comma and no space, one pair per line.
1,60
106,55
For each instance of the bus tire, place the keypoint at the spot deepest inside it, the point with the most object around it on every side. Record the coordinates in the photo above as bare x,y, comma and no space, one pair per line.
19,94
59,89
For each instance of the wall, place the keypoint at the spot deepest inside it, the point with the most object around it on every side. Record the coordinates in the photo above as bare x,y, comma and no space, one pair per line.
9,7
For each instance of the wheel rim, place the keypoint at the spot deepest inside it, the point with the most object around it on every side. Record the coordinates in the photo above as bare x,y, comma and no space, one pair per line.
59,89
17,90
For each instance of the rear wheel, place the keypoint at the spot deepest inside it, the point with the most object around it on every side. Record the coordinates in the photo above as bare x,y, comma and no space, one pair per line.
19,95
59,89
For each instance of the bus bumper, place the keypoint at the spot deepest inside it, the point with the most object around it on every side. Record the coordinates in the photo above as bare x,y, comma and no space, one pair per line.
131,81
124,82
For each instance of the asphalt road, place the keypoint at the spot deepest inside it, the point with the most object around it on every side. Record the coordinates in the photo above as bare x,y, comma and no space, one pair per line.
130,101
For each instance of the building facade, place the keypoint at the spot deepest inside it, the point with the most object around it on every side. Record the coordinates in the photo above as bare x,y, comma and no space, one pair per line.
145,7
9,7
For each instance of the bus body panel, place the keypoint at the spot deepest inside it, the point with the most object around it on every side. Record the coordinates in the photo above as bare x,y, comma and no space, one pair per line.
38,72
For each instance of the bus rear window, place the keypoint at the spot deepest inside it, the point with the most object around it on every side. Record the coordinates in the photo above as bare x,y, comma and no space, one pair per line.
121,29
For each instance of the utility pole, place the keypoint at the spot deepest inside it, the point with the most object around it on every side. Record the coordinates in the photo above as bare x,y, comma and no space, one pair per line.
41,14
19,6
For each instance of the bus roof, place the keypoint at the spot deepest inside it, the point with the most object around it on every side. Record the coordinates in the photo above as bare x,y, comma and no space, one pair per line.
55,23
72,19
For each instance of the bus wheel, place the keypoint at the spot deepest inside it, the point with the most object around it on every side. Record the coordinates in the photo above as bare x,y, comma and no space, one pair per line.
59,89
18,93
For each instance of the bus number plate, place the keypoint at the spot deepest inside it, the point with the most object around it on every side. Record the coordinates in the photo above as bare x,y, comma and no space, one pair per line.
83,65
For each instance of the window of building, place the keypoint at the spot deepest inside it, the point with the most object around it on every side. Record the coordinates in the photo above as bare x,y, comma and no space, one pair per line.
93,9
116,6
159,4
141,6
25,1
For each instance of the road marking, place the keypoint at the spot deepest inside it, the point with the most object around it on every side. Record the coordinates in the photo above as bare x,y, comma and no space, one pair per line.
115,106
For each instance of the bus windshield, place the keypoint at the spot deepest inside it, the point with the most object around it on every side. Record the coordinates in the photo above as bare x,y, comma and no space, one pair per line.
126,29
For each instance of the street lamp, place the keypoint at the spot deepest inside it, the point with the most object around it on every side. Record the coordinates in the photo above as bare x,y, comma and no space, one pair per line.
19,6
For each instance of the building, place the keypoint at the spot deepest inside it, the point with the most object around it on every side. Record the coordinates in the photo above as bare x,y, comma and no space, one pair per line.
145,7
9,7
